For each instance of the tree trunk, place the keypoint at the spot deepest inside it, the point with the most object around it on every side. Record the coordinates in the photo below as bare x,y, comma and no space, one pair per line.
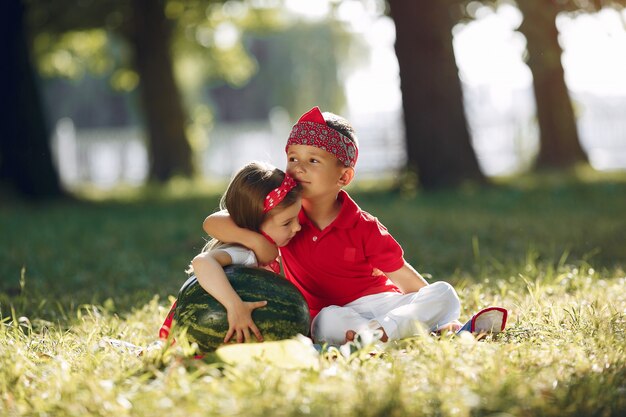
25,157
438,142
150,33
560,146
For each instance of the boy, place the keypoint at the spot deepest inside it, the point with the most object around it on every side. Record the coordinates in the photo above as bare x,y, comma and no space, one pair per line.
348,267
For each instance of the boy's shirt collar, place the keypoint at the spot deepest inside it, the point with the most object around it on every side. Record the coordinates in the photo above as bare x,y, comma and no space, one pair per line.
347,217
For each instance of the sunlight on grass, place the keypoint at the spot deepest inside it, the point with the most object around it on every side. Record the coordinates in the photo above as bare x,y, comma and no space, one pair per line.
176,188
562,354
549,249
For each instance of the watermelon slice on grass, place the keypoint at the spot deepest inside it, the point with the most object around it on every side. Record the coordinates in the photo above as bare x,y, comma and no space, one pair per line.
296,353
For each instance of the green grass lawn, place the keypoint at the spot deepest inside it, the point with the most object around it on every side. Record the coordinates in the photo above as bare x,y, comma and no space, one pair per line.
550,249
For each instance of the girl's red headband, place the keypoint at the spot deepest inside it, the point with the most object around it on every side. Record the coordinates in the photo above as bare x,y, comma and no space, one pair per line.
312,130
278,194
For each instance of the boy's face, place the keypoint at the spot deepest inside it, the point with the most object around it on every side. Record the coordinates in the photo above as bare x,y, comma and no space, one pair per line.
318,171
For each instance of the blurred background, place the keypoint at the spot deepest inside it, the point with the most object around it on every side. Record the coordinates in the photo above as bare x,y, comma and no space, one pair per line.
103,93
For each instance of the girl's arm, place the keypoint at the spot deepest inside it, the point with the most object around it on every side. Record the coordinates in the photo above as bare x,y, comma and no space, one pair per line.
208,268
407,279
223,228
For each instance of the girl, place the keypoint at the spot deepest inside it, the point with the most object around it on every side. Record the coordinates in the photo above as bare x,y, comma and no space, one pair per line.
261,199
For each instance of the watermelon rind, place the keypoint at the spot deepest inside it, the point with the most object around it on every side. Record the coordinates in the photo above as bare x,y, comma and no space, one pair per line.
285,316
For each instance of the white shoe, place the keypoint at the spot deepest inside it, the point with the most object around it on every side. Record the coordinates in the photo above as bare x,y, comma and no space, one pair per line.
488,320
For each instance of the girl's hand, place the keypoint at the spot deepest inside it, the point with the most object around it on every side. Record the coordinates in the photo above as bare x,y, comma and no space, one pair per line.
240,322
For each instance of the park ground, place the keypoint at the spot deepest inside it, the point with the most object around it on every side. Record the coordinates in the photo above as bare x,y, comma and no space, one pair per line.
549,248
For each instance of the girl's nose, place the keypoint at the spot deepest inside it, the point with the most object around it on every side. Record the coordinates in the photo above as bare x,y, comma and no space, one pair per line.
297,227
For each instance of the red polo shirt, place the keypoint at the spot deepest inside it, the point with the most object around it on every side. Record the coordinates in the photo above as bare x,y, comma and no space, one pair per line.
334,266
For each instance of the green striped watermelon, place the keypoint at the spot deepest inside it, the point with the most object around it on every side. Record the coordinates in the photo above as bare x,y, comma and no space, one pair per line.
285,315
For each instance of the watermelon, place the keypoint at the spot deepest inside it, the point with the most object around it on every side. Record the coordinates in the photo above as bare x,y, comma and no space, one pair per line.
285,315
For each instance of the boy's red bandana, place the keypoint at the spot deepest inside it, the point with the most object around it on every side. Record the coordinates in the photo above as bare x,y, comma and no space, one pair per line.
312,130
278,194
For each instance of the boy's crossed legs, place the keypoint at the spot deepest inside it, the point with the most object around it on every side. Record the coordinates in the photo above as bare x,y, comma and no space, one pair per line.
434,307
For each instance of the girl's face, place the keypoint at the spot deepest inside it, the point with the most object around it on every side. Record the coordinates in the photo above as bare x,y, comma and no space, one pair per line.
282,224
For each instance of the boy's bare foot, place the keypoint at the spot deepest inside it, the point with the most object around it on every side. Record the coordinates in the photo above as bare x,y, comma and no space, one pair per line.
351,335
452,327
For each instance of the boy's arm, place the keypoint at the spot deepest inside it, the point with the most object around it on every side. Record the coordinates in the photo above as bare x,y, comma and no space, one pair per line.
222,227
208,269
407,279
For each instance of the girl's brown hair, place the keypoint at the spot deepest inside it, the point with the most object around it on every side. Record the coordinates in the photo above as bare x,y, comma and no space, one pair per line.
245,196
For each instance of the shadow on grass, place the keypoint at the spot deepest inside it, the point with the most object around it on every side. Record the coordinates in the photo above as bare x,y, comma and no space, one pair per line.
128,247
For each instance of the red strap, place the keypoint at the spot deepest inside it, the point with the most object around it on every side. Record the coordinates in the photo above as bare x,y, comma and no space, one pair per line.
164,331
275,266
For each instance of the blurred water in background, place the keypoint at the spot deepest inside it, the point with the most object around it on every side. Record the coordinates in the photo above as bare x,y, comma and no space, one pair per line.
505,139
107,157
499,105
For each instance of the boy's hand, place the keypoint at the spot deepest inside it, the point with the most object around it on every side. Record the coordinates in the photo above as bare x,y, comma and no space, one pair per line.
222,227
265,251
407,279
240,322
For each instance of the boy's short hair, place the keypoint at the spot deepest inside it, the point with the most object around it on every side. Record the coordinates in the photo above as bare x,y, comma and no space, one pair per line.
341,125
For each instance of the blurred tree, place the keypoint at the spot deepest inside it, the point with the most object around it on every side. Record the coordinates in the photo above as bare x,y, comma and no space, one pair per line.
560,144
290,73
25,159
150,33
68,37
438,142
144,25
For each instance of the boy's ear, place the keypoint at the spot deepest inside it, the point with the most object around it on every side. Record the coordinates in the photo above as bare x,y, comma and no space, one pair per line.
347,175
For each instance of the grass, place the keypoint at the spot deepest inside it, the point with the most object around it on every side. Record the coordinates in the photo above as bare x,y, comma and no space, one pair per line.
550,249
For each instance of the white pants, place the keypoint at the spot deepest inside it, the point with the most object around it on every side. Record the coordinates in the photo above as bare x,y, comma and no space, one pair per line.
400,315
